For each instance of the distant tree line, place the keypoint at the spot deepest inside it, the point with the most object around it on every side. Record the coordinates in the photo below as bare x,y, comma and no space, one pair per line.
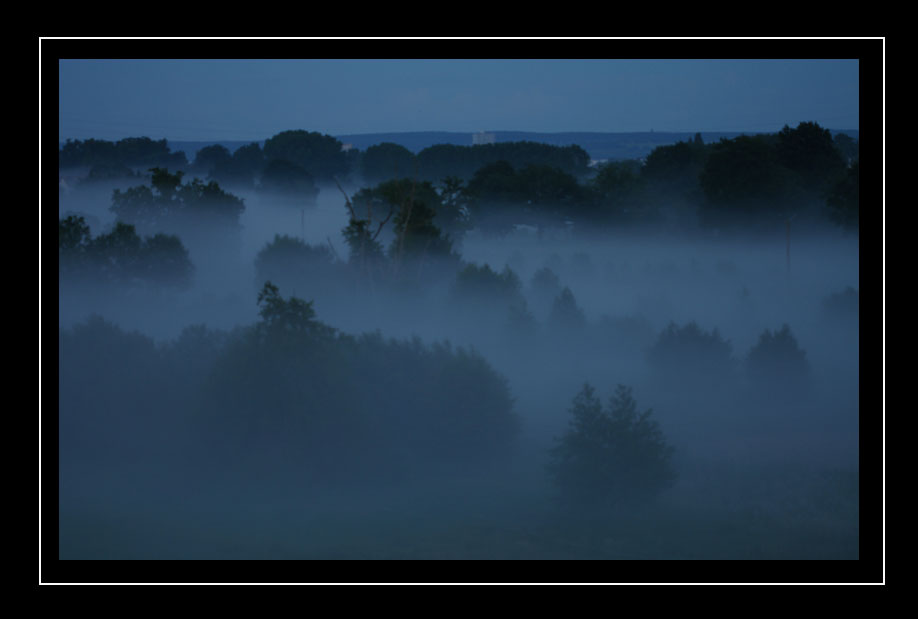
757,181
129,152
749,179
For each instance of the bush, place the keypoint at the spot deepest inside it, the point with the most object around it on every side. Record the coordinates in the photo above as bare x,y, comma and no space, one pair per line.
611,457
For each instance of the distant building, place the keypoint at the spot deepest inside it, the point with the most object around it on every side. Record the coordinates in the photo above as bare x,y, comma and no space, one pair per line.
483,138
347,147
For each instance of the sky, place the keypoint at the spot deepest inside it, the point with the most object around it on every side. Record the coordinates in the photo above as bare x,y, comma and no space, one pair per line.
236,99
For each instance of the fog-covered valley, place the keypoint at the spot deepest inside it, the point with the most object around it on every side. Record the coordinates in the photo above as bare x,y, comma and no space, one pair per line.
183,436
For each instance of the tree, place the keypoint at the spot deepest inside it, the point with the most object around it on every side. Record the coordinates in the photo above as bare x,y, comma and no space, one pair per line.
417,236
131,152
121,255
453,216
169,202
73,235
246,163
166,261
386,161
211,157
286,179
611,457
549,188
744,181
414,207
617,188
673,170
848,147
320,155
287,318
810,152
495,182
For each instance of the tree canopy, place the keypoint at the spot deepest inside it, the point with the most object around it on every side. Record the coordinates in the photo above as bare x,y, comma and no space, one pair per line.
130,152
121,256
318,154
159,207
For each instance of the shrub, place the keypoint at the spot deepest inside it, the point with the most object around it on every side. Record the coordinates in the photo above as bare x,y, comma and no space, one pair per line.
613,456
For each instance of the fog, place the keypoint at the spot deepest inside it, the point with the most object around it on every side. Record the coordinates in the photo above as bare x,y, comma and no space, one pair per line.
765,469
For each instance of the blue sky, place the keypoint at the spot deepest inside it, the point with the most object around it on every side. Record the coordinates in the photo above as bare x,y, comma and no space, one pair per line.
255,99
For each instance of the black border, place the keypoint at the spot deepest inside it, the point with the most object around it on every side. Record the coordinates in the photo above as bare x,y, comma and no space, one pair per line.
870,568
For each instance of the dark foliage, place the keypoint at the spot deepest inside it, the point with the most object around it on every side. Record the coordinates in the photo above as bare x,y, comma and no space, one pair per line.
129,152
387,161
810,152
618,189
210,158
281,178
121,256
318,154
743,180
419,245
246,163
442,160
169,204
612,457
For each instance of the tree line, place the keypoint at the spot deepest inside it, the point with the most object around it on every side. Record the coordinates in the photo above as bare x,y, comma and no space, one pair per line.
749,179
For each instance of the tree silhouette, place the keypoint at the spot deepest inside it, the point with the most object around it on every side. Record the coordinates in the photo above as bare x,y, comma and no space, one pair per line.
611,457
